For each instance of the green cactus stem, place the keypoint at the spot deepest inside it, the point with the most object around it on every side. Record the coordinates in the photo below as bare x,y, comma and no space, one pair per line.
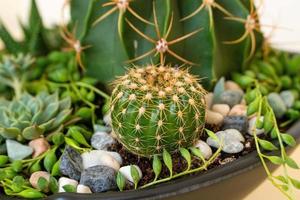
156,108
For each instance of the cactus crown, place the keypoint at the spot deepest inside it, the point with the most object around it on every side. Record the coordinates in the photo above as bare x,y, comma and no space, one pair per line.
156,108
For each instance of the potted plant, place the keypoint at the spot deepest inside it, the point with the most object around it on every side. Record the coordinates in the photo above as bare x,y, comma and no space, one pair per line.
169,123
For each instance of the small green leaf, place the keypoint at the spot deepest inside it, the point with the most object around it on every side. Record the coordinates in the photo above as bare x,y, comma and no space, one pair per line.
291,163
55,169
212,135
251,95
53,185
121,181
17,184
187,156
69,188
84,113
267,145
274,133
168,161
36,166
17,165
282,179
30,193
58,138
49,160
253,106
284,187
3,160
42,183
268,122
275,160
288,139
135,175
197,153
295,183
156,165
78,137
72,143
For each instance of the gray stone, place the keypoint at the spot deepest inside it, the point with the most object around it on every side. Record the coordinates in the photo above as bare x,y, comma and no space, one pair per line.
239,123
231,140
233,147
218,90
71,163
17,151
288,98
99,178
231,97
277,104
102,140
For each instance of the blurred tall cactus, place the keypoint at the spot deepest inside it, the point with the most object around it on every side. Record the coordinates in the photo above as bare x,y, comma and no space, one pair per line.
114,42
38,40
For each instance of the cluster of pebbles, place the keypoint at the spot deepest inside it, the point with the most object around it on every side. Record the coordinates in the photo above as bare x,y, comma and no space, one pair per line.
227,112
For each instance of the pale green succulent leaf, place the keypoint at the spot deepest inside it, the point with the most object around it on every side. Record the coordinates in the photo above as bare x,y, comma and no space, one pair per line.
9,133
47,125
61,118
65,103
32,132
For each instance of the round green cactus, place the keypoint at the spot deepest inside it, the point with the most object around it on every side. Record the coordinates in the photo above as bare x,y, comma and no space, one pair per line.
156,108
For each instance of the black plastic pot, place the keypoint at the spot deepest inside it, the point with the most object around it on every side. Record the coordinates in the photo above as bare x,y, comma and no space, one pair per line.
181,185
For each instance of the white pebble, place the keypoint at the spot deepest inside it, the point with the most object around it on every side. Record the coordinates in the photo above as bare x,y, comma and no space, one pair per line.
231,140
99,157
204,148
107,119
116,156
252,126
126,172
66,181
83,189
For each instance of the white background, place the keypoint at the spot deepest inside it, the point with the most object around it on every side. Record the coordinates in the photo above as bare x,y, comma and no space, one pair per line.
284,14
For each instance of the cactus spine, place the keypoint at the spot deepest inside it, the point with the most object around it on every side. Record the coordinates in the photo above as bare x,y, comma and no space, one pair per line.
156,108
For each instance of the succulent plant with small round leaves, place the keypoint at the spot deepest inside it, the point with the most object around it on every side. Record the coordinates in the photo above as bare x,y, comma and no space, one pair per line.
30,117
156,108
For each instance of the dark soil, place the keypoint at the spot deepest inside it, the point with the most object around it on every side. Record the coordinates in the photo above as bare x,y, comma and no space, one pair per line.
179,163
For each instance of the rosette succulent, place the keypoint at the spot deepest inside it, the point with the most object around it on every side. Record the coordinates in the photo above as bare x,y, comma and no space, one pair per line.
156,108
29,117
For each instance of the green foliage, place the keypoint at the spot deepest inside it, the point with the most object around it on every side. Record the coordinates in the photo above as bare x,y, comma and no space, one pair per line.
276,73
118,42
30,117
151,113
280,157
15,71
